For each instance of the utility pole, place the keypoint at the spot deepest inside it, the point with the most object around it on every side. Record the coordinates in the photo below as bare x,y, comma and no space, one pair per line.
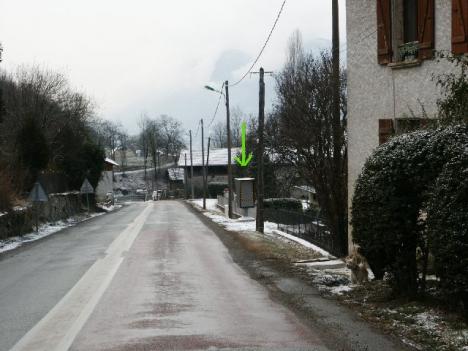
260,150
191,167
185,177
207,161
339,163
228,127
1,90
336,84
203,164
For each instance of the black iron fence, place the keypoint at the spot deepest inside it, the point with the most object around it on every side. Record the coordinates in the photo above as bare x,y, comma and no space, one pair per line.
309,227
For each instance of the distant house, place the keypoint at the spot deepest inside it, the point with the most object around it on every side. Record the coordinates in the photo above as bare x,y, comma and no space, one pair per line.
304,192
176,177
217,165
106,183
391,65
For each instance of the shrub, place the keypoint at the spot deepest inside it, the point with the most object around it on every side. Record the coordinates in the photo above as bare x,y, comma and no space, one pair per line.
448,230
391,195
216,188
283,204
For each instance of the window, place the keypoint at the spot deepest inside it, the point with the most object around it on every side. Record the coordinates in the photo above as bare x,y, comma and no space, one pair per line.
405,30
410,16
459,26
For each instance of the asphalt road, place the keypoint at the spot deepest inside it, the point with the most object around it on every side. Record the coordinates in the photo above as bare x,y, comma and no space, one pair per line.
151,276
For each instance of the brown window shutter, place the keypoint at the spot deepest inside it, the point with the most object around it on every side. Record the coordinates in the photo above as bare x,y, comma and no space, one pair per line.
459,26
385,130
426,28
384,31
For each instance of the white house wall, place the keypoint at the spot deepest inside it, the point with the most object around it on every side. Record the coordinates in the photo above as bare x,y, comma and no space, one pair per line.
378,91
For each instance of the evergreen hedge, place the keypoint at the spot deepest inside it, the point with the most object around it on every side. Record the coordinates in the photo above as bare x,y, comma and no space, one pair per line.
289,204
448,230
392,196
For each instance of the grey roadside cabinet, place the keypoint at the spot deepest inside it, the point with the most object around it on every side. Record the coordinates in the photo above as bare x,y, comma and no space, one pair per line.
245,191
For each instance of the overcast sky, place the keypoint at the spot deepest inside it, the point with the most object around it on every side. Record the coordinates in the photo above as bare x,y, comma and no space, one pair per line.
155,56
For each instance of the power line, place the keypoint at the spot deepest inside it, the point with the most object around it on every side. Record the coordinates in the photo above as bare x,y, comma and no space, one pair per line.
264,46
198,128
217,107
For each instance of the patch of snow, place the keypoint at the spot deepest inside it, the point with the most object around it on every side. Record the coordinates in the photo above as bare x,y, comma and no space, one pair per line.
340,289
3,213
426,320
19,208
108,208
210,203
303,242
44,230
322,263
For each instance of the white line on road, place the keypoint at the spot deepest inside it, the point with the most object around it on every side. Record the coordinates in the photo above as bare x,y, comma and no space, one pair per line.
57,330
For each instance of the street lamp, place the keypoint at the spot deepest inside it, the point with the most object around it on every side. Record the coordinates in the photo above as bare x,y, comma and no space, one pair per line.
228,130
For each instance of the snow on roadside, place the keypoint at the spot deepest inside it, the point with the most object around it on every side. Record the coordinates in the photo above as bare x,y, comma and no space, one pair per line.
210,203
108,208
330,276
45,229
247,224
303,242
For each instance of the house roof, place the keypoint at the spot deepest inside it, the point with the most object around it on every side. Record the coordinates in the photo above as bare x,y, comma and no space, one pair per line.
110,161
176,174
218,157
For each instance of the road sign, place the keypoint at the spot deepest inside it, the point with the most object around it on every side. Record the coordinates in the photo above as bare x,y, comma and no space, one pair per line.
38,194
86,188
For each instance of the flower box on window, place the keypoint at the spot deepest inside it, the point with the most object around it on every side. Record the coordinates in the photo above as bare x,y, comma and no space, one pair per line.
409,51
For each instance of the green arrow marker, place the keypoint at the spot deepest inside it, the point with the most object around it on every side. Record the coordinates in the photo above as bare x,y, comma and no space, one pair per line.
243,162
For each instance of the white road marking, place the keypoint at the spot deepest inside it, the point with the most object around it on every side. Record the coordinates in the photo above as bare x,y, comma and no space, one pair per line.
57,330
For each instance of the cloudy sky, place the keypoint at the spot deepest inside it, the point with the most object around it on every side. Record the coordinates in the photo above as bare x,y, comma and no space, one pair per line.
155,56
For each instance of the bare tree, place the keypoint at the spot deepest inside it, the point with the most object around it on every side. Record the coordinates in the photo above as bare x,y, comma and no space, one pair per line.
144,139
306,132
219,135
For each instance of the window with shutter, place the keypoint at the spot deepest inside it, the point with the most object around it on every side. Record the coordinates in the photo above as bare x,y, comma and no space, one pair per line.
384,31
385,130
425,28
459,26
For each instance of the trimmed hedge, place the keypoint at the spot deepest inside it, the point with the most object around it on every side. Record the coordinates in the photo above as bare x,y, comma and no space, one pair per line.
216,188
392,195
448,230
283,204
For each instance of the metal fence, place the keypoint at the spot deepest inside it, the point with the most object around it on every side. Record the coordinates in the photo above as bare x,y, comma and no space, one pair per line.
305,226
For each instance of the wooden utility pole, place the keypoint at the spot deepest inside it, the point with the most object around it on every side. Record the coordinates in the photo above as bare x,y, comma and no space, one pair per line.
229,166
203,164
207,161
185,177
191,167
339,164
260,150
1,90
336,84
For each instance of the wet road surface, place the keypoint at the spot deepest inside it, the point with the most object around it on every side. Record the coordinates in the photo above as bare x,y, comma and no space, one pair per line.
162,281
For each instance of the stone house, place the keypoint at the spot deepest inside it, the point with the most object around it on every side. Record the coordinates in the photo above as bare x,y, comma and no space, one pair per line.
106,183
391,68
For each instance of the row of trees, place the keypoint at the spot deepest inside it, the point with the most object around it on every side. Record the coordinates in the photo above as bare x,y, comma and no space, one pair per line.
45,126
160,136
